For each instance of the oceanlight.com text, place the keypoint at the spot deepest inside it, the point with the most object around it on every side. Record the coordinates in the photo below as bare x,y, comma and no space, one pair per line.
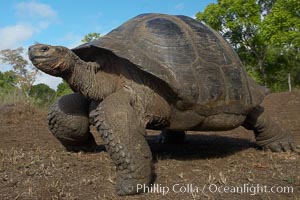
251,189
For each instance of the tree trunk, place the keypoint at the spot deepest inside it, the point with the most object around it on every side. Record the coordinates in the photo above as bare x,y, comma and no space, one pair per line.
262,71
289,82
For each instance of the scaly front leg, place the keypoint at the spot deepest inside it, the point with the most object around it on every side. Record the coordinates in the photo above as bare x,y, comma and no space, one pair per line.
123,131
69,122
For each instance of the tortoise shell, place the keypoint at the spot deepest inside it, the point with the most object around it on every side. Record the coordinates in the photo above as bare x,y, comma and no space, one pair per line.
194,60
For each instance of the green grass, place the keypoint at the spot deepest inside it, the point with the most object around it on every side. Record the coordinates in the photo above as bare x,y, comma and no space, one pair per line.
15,96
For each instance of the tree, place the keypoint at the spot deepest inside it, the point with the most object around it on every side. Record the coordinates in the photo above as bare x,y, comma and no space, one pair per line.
62,89
260,32
280,30
24,72
42,93
90,37
7,80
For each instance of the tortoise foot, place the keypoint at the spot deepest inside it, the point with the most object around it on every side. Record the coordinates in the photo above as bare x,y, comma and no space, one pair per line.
284,144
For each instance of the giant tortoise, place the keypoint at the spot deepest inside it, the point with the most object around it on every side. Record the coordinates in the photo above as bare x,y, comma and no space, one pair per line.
156,71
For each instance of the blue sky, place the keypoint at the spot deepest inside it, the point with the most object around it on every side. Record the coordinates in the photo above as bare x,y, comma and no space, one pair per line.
65,22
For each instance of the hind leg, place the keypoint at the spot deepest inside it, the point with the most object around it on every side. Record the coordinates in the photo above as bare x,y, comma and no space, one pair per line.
269,135
68,120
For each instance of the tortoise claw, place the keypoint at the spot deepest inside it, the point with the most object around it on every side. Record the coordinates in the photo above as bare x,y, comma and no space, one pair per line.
126,187
131,186
282,146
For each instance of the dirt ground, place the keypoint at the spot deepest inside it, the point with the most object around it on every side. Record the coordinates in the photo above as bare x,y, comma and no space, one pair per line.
209,165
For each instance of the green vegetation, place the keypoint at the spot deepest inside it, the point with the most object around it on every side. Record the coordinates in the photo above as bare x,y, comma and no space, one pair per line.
7,80
90,37
42,94
63,89
265,34
24,73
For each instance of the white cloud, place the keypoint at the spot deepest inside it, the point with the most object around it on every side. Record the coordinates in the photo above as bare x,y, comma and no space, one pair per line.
13,36
32,17
179,6
39,14
35,10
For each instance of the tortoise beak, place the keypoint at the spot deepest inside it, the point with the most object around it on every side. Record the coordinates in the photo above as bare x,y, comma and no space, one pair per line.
37,51
33,52
30,53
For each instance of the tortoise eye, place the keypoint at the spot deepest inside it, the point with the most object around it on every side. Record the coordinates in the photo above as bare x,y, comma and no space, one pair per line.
44,48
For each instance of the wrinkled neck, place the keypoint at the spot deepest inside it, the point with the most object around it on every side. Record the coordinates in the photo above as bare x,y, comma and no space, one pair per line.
91,80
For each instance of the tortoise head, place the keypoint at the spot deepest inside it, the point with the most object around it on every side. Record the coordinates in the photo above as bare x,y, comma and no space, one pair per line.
53,60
